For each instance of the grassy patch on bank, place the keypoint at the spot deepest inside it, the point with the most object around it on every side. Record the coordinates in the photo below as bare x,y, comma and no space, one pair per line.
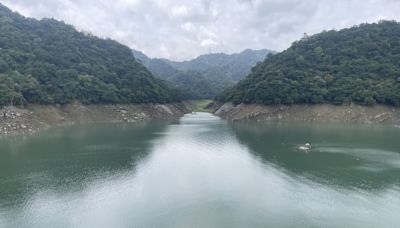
201,105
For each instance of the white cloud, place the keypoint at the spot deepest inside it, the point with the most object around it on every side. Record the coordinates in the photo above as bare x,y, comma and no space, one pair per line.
188,26
182,29
180,11
127,3
208,42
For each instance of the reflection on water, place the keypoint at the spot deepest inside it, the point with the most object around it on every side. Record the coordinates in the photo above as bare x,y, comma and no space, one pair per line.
201,172
67,158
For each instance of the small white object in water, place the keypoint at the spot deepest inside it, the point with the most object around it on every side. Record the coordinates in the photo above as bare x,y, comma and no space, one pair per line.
306,146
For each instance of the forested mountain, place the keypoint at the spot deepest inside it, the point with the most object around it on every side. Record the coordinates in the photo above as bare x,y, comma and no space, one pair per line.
359,64
207,75
235,66
47,61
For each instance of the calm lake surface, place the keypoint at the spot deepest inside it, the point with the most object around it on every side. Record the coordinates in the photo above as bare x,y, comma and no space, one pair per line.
201,171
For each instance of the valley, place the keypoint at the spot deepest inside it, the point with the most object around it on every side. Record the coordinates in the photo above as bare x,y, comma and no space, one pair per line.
257,125
207,75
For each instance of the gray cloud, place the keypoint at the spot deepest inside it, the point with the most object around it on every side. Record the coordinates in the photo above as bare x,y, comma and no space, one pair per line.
180,29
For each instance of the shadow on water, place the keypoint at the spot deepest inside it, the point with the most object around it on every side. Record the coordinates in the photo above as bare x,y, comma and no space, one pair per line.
349,156
71,156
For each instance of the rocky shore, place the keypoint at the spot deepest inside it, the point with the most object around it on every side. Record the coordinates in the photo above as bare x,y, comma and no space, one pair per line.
311,113
32,118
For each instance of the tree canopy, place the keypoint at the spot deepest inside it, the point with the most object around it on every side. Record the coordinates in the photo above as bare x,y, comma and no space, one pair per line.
355,65
47,61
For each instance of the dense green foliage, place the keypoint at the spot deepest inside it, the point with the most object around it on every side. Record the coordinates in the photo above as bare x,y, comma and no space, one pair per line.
207,75
50,62
360,64
195,86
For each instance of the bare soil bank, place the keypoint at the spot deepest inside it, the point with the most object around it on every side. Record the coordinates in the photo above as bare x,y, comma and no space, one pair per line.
33,118
311,113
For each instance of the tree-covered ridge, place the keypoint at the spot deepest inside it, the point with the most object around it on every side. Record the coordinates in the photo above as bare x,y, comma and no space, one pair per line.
50,62
230,66
360,64
207,75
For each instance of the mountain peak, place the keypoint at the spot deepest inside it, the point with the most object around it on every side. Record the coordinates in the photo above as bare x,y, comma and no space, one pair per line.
4,9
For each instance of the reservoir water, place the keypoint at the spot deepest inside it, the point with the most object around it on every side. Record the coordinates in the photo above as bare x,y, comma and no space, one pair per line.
201,171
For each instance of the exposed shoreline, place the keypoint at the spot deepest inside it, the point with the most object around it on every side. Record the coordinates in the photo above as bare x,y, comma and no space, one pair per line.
33,118
323,113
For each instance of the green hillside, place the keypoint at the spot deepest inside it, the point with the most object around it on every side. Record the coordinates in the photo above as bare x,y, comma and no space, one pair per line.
46,62
359,64
207,75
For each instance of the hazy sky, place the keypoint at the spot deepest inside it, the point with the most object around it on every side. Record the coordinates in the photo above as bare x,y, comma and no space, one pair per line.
180,29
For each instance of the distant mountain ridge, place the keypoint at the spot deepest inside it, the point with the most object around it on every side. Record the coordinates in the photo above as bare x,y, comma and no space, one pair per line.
237,65
206,75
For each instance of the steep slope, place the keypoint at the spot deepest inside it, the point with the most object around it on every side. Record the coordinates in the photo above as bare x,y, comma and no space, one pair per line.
360,64
50,62
207,75
159,67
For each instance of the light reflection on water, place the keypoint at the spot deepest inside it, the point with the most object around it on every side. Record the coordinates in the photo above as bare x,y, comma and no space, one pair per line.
202,172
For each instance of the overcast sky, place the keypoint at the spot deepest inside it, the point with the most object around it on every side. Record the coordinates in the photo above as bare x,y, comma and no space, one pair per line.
179,29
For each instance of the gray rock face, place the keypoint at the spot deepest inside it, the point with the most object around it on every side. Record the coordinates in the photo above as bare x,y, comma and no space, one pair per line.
311,113
35,117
